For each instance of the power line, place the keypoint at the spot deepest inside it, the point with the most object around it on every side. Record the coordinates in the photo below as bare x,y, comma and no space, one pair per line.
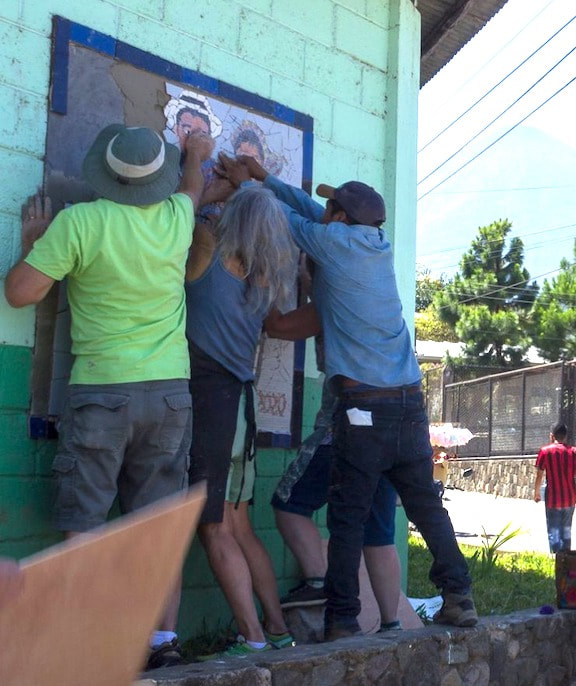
534,343
475,136
497,139
494,298
483,66
529,249
502,288
508,190
501,80
522,236
497,290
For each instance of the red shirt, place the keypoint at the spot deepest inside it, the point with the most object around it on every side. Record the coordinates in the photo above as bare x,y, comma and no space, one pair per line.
559,462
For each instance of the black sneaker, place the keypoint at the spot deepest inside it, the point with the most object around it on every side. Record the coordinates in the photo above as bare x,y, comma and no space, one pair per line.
390,626
303,595
457,609
167,654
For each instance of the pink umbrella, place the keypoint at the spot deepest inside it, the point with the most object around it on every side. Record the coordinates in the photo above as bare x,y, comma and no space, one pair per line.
447,435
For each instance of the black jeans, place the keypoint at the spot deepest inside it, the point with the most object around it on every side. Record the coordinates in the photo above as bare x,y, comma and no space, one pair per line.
388,436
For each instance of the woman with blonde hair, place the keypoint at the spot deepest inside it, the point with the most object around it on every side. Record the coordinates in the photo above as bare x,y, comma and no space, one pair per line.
238,270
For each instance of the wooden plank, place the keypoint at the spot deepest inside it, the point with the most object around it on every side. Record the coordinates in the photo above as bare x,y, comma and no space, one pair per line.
90,604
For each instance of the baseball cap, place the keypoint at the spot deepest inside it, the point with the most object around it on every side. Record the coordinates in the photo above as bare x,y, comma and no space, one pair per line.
360,201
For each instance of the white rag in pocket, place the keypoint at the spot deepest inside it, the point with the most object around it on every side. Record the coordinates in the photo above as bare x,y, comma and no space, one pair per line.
358,417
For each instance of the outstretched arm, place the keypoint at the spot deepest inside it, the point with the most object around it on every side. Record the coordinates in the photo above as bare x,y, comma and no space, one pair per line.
24,284
199,147
294,325
201,251
216,191
240,169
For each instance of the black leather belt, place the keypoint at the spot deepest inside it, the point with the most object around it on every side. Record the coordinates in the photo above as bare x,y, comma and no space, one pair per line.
391,392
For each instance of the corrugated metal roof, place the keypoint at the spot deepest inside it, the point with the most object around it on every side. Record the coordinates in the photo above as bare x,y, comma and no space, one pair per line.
447,25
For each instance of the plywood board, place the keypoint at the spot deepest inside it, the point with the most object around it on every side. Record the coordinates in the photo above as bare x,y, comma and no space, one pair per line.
90,604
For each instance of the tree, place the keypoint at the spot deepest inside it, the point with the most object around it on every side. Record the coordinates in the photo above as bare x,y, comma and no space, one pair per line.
429,327
488,301
427,287
554,315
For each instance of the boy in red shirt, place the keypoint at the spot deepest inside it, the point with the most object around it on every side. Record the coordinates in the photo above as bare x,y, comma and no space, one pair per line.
558,460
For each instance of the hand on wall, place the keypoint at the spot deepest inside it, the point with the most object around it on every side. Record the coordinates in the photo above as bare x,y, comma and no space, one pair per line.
201,144
36,217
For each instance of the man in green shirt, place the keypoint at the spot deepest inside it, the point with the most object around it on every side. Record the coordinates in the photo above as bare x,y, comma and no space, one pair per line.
125,430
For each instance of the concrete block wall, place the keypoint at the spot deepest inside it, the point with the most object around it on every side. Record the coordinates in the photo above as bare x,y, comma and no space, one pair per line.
353,65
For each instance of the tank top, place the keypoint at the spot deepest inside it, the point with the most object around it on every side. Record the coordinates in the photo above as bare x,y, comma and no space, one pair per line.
220,320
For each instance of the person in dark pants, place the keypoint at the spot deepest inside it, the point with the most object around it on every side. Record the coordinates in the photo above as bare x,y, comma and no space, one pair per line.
558,461
380,422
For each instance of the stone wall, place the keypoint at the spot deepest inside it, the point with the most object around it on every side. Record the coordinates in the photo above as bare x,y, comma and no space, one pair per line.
509,478
523,649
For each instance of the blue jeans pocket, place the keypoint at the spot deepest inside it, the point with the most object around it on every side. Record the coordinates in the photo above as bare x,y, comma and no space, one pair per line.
420,440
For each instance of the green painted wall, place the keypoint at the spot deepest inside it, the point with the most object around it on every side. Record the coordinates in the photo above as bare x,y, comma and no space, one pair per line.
353,65
25,493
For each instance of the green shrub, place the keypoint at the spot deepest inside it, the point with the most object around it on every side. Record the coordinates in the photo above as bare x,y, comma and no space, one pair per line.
505,583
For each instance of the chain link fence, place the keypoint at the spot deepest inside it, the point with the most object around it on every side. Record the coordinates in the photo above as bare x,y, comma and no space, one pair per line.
510,413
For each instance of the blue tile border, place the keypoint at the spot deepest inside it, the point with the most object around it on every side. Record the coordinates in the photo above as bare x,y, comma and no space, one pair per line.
66,32
59,67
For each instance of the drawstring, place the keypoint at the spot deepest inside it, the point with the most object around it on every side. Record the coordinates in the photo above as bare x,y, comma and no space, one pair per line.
250,435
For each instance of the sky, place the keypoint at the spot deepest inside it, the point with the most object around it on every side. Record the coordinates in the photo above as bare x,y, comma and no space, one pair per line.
529,175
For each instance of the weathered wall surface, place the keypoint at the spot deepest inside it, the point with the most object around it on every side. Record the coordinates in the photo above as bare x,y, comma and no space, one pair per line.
353,65
524,649
506,478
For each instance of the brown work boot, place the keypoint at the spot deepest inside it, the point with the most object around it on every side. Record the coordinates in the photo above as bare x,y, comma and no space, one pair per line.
334,631
457,609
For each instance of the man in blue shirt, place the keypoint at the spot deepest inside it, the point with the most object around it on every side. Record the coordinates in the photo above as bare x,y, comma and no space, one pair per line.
380,424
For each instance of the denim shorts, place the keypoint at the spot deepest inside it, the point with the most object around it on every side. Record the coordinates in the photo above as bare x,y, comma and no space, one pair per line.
310,493
128,440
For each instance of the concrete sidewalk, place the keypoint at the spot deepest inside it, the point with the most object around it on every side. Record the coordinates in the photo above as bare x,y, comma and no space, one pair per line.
471,511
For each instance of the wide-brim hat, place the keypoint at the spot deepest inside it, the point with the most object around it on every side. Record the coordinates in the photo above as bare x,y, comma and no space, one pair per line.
132,165
360,202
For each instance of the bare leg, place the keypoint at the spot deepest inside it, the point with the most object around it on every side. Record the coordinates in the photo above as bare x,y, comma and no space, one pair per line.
383,567
233,574
301,535
170,619
260,565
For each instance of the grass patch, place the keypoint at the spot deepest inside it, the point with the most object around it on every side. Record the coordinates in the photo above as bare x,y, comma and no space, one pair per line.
510,582
208,641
